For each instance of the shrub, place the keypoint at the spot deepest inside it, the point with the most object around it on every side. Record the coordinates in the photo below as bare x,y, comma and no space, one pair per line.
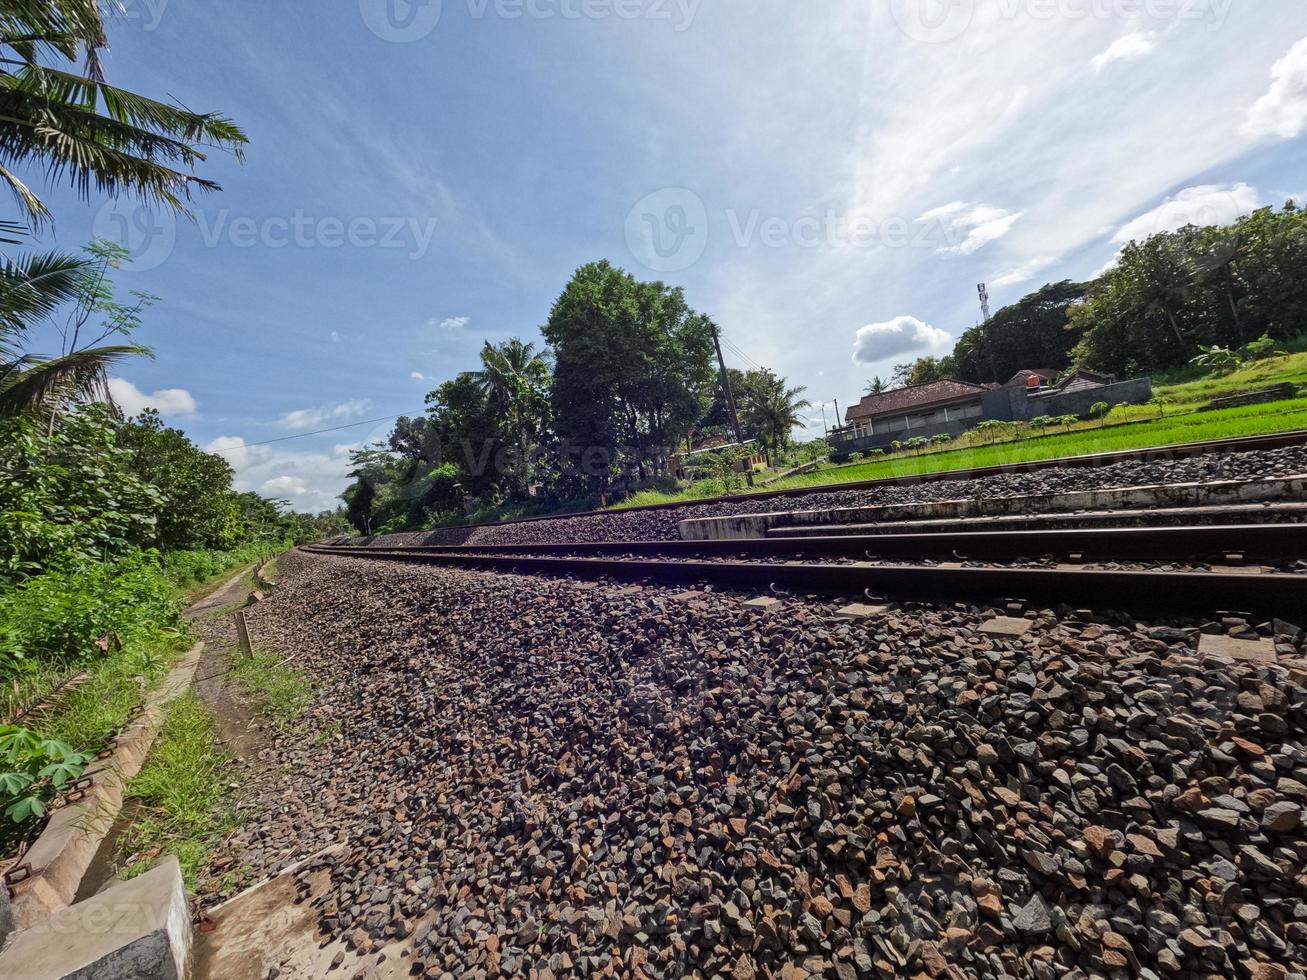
59,618
1261,348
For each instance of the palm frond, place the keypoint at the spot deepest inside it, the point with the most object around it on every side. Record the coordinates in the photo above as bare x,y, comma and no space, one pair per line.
31,205
42,385
32,288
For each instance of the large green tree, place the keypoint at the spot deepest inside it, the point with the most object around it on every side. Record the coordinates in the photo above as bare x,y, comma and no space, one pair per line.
633,370
199,508
1034,332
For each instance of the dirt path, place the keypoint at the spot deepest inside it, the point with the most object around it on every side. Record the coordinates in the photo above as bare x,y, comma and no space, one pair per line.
231,592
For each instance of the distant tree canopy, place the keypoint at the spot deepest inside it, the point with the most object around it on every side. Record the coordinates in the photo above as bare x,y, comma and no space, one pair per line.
1152,310
628,376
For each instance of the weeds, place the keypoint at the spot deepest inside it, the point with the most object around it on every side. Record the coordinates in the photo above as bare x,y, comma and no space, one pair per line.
182,792
279,692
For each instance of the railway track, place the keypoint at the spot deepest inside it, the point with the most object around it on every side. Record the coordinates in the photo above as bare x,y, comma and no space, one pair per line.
1278,440
736,565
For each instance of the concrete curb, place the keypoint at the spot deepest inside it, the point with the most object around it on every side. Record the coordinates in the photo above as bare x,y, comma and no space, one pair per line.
137,930
65,849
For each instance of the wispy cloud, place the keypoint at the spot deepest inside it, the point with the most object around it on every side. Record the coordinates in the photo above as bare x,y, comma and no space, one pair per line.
310,418
970,226
450,322
1024,272
1127,48
418,376
1204,204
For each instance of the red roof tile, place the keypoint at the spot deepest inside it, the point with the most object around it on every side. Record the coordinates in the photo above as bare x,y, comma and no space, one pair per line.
914,397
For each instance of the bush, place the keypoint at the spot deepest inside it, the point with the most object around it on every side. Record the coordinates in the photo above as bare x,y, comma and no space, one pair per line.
60,617
186,569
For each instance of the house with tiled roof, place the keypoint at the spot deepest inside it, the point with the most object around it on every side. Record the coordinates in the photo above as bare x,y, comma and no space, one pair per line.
951,407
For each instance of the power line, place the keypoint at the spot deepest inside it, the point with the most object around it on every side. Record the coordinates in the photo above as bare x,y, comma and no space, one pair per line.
305,435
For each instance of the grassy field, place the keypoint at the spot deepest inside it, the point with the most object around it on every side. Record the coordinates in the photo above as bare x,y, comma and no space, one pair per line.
1173,419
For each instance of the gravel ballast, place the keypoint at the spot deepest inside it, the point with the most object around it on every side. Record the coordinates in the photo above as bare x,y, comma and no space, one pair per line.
660,525
543,777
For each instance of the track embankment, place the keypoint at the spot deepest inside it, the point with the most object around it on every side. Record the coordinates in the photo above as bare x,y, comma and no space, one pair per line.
531,775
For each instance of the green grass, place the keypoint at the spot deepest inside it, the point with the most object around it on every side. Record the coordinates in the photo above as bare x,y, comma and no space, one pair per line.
181,792
278,692
98,708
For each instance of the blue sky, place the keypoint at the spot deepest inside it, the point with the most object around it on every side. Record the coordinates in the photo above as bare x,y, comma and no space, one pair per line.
828,180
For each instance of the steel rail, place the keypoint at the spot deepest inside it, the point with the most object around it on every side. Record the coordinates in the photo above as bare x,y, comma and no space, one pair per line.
1266,541
1283,596
1274,440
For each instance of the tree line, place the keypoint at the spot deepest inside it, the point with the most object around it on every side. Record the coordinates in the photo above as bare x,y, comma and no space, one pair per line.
102,518
1161,303
627,377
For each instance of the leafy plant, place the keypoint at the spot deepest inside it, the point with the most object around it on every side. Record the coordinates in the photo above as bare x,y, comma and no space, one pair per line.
1099,410
35,769
1218,360
1042,422
1262,348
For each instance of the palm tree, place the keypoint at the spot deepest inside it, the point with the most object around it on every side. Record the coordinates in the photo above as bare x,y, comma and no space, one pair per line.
32,290
772,410
875,386
80,129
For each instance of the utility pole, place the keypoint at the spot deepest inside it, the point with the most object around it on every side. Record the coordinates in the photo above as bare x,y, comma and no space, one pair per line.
824,427
726,385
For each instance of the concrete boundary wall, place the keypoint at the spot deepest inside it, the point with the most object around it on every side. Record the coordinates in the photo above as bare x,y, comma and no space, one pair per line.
60,856
738,526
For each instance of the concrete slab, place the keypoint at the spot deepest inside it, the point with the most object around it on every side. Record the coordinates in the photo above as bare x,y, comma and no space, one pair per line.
860,610
690,596
136,930
1239,569
766,604
1227,646
1006,626
264,927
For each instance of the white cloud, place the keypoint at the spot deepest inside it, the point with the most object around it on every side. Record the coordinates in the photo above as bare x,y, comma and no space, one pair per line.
335,336
969,227
1205,204
1282,111
893,338
309,418
281,486
1127,48
418,376
451,322
310,480
133,401
1024,272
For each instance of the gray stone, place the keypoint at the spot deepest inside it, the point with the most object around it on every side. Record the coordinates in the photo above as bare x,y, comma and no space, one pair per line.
1033,917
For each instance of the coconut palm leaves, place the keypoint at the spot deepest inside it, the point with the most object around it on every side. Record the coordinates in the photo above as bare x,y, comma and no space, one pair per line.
33,289
770,409
84,131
